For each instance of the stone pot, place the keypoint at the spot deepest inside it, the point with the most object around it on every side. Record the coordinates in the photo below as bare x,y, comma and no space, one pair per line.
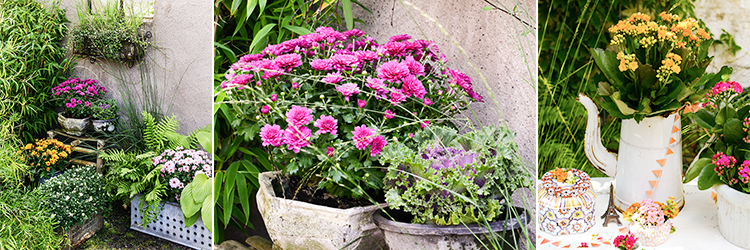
73,126
734,215
407,236
295,224
104,126
651,236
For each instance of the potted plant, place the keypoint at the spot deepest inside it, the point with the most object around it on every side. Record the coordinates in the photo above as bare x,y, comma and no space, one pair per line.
109,33
454,189
46,157
650,221
77,97
75,198
324,105
104,115
656,66
723,163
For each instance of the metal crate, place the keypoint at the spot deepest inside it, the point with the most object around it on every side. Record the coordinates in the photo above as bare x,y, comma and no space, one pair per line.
171,226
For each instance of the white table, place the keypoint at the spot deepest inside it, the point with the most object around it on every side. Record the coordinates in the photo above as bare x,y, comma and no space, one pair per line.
696,225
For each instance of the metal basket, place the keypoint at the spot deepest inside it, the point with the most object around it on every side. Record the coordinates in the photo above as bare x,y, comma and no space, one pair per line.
171,226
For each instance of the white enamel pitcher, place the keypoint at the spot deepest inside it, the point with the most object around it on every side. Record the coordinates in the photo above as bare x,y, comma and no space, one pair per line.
649,162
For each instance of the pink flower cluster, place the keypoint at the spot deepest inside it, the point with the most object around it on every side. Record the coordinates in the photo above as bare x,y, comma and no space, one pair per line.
725,86
649,213
364,137
725,167
722,162
722,92
87,89
179,167
625,242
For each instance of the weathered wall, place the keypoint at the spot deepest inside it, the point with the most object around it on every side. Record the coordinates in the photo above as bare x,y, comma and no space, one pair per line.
731,16
489,38
181,64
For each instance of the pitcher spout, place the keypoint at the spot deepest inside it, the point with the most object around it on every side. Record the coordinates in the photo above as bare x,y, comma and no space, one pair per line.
601,158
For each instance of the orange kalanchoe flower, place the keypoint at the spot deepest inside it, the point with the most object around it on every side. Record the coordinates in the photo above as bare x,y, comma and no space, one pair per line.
559,174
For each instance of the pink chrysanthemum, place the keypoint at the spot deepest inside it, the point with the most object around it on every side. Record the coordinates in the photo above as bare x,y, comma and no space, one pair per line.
288,61
329,151
415,68
427,102
274,97
366,55
393,71
424,124
377,144
361,103
321,64
389,114
396,96
295,85
344,62
353,33
251,57
265,109
394,49
299,116
412,86
326,124
362,136
333,78
271,135
399,38
296,138
348,89
375,83
240,80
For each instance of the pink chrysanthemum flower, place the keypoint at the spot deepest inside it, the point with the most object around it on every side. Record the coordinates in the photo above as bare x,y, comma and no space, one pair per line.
329,151
251,57
344,62
461,79
362,136
353,33
377,144
288,61
321,64
271,135
393,71
299,116
394,49
326,124
427,102
366,55
396,96
375,83
274,97
424,124
412,86
399,38
295,85
265,109
240,80
415,68
296,138
361,103
389,114
348,89
333,78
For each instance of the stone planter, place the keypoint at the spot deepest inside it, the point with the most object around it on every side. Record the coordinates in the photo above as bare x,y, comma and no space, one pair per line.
406,236
651,236
103,126
734,215
73,126
82,232
171,226
300,225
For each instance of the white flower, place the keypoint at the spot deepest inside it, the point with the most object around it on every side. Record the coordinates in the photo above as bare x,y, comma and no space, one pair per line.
175,183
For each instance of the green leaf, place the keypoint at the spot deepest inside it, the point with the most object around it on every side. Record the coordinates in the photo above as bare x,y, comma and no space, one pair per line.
708,178
260,35
235,5
187,202
189,221
608,64
207,213
244,196
622,106
250,8
346,6
297,29
705,119
733,132
696,169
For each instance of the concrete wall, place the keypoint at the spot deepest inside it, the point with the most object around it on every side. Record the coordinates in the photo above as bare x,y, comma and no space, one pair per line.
181,64
490,39
731,16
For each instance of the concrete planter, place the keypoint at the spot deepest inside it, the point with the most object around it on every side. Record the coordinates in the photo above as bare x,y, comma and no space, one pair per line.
104,126
300,225
73,126
407,236
734,215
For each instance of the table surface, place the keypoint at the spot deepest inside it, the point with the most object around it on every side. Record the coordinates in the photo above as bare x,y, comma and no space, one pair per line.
696,225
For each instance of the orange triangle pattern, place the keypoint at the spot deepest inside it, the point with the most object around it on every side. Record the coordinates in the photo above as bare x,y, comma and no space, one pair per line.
675,129
557,244
676,117
649,193
538,236
594,244
654,183
669,151
607,243
544,241
672,140
657,173
622,230
662,162
689,109
568,246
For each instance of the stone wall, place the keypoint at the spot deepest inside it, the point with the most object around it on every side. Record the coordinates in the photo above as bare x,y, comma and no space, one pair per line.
731,16
491,42
180,64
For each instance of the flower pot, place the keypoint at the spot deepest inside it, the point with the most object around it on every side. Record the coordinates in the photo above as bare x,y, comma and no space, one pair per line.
651,236
73,126
734,215
406,236
103,126
565,208
171,226
83,231
300,225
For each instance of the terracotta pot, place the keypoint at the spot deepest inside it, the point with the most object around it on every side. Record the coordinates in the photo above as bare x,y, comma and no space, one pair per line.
73,126
300,225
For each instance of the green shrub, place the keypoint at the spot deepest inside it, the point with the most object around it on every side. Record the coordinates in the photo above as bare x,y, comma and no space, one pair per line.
74,196
25,223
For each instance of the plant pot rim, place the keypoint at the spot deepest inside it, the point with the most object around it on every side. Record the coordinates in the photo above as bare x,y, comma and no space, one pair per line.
468,229
732,195
264,177
105,120
63,116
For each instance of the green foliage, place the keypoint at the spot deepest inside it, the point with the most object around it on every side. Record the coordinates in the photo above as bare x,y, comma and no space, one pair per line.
13,172
74,196
568,31
108,33
31,62
25,223
196,197
447,179
104,109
